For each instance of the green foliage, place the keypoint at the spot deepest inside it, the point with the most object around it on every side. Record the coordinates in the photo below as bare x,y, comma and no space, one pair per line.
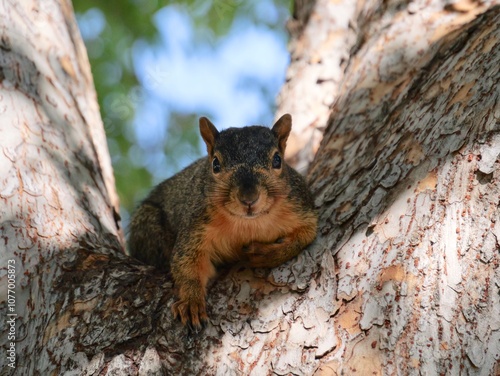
120,93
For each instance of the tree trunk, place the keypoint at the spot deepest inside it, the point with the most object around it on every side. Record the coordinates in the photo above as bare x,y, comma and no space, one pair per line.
407,177
404,276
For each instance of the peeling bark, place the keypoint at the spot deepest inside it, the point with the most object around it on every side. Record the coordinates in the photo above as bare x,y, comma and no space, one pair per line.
321,37
404,277
407,177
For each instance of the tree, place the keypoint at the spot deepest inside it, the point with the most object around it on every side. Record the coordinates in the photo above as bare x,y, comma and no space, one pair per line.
403,278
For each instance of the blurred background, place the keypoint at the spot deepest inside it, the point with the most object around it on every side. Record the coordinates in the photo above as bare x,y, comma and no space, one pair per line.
160,65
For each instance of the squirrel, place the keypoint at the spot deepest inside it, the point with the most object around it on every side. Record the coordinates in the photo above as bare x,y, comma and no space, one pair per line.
242,203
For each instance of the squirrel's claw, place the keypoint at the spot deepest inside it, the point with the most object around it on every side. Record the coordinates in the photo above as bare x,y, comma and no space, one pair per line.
191,313
196,329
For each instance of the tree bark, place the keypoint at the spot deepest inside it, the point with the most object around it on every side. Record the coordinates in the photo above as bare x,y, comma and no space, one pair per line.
407,177
404,276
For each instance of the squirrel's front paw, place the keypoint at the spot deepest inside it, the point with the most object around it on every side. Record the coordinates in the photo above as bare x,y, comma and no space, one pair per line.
191,311
262,255
262,248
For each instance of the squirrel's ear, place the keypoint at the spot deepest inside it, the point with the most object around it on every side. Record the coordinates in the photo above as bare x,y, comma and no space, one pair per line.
209,133
282,129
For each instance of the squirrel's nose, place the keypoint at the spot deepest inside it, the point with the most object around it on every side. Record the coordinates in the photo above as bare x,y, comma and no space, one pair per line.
248,198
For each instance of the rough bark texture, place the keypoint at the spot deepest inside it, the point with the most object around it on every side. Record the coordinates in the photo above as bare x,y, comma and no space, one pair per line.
408,181
322,35
404,278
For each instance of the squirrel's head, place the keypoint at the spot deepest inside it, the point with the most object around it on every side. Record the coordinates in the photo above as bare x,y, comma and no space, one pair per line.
247,165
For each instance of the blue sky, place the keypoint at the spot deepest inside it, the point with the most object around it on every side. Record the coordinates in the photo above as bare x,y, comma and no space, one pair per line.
223,80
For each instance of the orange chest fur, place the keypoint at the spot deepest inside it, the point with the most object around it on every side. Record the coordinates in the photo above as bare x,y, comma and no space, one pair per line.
225,235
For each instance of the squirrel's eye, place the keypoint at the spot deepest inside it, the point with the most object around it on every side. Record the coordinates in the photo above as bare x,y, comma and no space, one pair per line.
276,161
216,165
